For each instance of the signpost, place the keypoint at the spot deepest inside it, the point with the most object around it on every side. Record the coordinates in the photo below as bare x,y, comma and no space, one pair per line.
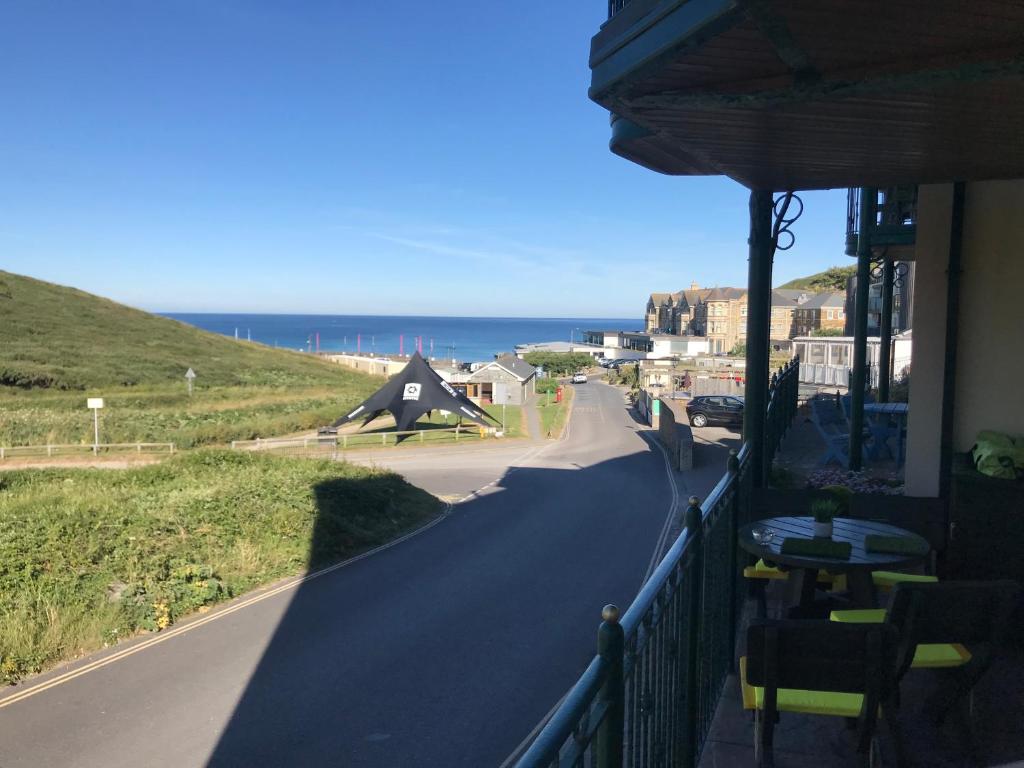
190,376
95,403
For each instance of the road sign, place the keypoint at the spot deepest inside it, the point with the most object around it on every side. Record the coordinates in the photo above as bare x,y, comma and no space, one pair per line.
190,376
95,403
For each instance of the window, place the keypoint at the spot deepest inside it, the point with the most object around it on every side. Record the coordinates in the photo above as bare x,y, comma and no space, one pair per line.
830,317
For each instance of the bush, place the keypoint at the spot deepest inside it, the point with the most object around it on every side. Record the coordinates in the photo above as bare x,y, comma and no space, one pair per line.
559,363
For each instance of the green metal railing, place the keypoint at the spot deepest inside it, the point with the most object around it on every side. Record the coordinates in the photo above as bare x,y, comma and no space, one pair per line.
782,405
649,696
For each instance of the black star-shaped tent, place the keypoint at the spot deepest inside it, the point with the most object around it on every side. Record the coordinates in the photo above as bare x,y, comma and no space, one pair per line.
417,390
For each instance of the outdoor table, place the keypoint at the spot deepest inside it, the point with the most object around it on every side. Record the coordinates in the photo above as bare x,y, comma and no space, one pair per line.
804,568
880,428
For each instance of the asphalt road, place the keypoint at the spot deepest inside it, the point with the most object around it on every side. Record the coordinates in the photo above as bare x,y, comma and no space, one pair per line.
444,650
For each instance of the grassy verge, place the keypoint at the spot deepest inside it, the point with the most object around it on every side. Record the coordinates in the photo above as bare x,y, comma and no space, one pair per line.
88,557
553,415
167,414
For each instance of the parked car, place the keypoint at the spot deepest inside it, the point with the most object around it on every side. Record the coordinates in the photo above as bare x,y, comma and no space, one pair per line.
579,378
715,409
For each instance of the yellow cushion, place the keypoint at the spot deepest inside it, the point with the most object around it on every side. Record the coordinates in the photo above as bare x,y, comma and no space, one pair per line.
761,570
795,700
889,579
926,655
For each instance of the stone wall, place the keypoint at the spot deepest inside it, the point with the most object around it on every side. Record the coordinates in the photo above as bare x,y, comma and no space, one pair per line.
675,434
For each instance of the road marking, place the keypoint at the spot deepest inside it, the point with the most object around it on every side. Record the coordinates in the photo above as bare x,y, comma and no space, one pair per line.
169,634
673,507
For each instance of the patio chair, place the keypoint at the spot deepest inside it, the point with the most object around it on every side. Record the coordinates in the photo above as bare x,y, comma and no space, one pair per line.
821,668
761,574
955,625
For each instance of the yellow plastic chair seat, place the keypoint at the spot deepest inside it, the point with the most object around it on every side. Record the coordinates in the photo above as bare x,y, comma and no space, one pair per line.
761,570
807,702
926,656
886,580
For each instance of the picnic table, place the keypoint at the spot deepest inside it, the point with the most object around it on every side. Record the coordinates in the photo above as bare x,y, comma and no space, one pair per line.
857,567
882,427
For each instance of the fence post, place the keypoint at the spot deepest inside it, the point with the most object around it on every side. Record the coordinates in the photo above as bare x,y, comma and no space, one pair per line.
611,644
49,450
384,438
695,531
421,435
344,442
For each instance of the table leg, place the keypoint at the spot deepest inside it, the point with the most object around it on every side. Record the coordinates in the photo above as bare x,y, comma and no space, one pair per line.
801,586
862,589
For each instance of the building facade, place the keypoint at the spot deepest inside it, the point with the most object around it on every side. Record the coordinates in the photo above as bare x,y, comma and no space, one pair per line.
823,311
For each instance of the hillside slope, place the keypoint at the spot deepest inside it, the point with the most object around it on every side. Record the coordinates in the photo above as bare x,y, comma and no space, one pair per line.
832,279
62,338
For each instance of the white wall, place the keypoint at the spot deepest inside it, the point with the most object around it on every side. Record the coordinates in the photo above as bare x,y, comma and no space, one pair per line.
990,354
924,425
990,329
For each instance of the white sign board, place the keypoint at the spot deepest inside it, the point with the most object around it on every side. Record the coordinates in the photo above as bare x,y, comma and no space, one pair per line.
190,374
94,402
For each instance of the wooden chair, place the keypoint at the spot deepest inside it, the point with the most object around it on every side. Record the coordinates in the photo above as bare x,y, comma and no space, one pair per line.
954,625
822,668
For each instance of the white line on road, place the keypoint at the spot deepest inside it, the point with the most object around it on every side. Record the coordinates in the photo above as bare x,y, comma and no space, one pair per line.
219,614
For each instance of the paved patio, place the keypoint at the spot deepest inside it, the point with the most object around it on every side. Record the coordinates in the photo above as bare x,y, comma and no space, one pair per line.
995,736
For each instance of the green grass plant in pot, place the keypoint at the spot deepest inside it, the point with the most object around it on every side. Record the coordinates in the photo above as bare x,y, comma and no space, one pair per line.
823,511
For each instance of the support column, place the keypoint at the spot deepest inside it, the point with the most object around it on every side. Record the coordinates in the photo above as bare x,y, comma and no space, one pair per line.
885,332
868,201
759,288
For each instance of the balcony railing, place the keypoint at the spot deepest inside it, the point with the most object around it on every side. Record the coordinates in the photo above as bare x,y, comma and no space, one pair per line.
614,6
649,695
895,217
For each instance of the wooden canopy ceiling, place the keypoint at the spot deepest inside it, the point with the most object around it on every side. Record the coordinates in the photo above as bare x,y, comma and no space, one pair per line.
805,94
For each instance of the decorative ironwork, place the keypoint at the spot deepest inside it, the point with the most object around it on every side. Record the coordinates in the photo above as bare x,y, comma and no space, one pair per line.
679,633
782,238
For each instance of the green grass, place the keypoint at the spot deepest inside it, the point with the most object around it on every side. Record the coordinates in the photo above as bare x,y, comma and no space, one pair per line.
553,415
88,557
59,345
832,279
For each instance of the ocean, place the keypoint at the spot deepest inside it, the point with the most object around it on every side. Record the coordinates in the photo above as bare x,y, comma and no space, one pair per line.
463,338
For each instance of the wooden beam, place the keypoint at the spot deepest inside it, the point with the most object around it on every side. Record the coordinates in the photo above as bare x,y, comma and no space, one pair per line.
835,87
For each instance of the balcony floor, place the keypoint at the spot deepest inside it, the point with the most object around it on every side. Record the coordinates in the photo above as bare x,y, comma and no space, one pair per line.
806,741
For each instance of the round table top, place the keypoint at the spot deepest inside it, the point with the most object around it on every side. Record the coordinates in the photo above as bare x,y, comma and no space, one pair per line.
843,529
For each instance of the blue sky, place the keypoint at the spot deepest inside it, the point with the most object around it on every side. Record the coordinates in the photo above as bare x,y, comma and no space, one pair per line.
350,157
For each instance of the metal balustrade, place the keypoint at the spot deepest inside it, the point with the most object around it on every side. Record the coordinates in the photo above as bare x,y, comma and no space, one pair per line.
649,696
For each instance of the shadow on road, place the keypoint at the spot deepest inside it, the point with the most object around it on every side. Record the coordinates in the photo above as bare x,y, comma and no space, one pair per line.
446,649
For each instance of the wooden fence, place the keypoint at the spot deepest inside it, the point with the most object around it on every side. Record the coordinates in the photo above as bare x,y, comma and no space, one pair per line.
20,451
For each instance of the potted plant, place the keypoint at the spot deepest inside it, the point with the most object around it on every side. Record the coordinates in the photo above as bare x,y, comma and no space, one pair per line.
823,510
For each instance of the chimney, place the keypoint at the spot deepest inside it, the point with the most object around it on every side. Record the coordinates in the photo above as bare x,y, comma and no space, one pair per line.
694,286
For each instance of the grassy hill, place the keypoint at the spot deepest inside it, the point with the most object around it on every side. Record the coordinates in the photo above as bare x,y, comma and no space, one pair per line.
832,279
58,345
62,338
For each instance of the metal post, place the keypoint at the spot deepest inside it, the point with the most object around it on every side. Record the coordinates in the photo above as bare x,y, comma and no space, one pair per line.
868,202
759,286
611,645
96,431
885,332
694,529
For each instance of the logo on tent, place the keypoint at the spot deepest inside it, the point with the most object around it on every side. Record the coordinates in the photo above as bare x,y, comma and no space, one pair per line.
412,392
